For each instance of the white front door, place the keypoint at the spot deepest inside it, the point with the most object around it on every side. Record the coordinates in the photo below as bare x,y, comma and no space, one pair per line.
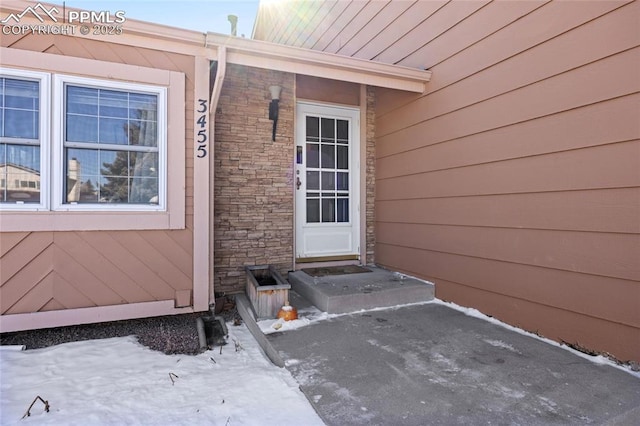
327,180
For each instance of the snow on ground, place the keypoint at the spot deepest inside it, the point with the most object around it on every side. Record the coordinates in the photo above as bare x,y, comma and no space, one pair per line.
118,381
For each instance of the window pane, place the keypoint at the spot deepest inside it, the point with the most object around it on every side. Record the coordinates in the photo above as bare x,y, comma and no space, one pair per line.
19,108
114,104
143,133
114,163
143,164
114,130
21,124
82,100
114,190
328,210
21,94
343,181
343,157
343,210
328,130
81,128
117,174
24,156
343,131
328,157
313,180
313,211
313,156
20,173
328,181
143,107
313,129
144,191
83,175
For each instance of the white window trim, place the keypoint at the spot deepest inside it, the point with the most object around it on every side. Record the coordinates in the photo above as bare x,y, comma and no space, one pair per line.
44,136
58,145
175,216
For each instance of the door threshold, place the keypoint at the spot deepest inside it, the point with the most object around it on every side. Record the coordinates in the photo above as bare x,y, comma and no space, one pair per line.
326,263
327,258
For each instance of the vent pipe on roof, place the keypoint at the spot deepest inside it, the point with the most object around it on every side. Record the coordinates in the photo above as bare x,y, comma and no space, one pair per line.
234,24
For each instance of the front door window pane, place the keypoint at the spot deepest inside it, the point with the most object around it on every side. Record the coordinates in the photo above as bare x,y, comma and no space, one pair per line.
313,155
328,156
343,131
313,211
327,164
328,210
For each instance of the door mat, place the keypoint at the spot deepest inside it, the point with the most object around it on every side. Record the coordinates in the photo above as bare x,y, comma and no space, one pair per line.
335,270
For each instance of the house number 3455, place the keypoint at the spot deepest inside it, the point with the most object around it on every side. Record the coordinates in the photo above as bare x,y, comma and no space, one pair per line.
201,125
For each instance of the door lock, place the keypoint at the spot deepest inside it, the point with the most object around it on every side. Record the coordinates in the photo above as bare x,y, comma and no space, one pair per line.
298,183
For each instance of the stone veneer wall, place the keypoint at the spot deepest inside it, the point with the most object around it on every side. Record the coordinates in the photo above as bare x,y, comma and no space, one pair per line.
253,184
371,174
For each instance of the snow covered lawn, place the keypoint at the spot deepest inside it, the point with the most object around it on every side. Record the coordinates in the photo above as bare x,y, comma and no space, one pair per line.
118,381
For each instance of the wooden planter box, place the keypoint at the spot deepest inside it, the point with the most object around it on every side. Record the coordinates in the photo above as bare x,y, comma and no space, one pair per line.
267,290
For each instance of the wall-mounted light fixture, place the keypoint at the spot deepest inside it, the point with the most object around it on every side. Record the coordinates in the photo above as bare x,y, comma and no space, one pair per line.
273,108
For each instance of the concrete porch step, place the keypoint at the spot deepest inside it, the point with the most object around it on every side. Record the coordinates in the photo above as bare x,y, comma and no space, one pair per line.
380,288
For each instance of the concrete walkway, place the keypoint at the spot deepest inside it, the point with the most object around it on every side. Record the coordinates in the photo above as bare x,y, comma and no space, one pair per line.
432,365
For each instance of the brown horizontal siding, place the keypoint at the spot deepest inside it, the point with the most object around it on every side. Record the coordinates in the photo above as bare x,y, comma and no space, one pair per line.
356,26
513,182
565,171
592,125
611,210
465,51
605,254
584,331
309,10
438,23
478,25
42,271
384,15
373,45
578,311
519,35
558,56
579,293
283,32
551,96
340,21
318,25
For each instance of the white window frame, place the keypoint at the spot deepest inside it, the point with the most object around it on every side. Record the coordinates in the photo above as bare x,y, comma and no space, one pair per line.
179,139
44,136
58,175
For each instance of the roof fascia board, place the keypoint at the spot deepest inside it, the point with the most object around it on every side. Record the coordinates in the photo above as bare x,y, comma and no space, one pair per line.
320,64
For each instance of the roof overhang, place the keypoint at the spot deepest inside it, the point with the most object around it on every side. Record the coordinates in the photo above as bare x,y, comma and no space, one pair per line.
318,64
252,53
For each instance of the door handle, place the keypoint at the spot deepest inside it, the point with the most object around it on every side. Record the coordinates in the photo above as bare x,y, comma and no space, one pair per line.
298,183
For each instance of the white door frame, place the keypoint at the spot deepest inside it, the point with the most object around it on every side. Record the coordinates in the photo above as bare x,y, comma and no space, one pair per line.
342,240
